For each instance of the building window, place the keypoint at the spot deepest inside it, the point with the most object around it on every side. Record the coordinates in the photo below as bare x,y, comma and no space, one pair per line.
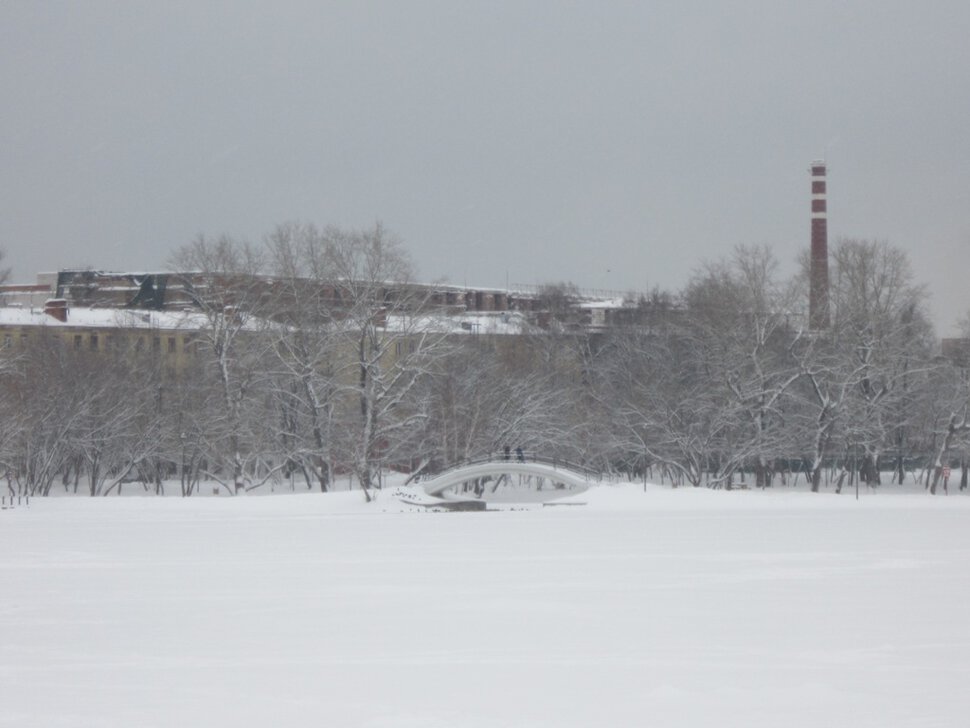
171,344
77,341
156,344
93,342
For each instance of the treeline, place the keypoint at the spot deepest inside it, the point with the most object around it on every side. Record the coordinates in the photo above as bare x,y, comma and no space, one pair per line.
715,383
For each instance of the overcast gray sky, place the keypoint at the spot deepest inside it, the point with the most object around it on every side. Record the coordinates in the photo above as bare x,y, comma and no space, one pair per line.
613,144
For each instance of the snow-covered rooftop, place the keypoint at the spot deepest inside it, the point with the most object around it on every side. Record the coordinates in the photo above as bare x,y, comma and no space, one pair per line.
104,318
489,323
505,323
603,303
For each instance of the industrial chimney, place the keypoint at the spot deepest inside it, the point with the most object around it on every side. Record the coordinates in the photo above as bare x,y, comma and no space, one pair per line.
818,295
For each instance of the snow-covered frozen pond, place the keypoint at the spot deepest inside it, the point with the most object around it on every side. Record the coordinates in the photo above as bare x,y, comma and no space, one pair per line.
673,608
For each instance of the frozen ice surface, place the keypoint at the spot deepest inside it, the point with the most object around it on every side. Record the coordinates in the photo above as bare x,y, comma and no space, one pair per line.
673,608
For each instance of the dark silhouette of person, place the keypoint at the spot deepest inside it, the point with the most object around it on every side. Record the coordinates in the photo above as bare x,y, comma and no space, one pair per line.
519,455
507,452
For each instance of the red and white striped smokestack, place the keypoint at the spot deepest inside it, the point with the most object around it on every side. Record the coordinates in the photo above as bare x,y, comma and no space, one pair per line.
818,295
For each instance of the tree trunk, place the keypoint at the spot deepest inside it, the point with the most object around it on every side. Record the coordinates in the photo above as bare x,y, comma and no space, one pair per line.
841,479
869,472
816,477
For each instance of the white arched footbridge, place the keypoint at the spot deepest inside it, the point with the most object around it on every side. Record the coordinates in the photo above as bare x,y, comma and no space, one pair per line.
500,480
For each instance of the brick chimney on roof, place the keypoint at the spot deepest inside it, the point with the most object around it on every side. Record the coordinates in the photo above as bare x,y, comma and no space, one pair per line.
56,308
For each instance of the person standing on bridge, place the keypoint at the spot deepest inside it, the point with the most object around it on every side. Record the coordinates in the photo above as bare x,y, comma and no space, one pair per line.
507,452
519,455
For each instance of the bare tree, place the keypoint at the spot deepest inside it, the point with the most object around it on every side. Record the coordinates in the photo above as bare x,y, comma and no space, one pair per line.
491,392
557,301
964,325
46,409
224,279
882,330
385,323
662,408
118,427
743,324
946,401
307,347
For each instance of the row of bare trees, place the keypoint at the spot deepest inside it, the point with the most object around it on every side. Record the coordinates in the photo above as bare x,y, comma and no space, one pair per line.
319,360
738,383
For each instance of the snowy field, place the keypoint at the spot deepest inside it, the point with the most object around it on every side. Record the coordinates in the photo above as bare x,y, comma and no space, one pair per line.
665,608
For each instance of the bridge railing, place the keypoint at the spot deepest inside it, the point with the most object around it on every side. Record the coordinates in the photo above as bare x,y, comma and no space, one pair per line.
515,457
